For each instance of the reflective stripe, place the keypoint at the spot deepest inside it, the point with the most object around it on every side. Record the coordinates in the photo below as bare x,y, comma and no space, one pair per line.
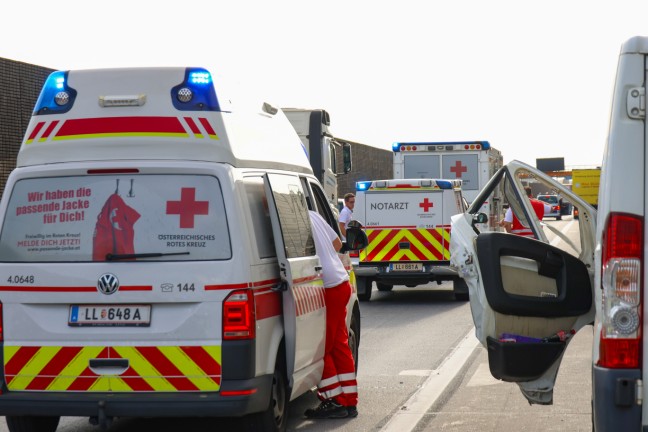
148,368
329,381
424,244
349,389
347,376
331,393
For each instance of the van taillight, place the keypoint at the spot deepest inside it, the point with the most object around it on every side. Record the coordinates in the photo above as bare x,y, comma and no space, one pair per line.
239,321
354,254
621,280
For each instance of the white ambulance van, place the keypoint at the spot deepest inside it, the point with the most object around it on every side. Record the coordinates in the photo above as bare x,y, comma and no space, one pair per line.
156,256
529,296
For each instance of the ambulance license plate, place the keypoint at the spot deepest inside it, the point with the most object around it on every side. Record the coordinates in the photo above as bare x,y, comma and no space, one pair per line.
406,267
110,315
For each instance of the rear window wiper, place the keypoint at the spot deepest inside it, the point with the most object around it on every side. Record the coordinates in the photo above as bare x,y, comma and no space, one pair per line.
116,257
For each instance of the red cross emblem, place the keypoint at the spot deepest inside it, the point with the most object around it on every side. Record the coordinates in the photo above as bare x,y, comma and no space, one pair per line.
458,169
187,207
426,205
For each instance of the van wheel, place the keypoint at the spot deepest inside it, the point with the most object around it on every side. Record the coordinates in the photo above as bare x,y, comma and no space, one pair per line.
275,417
364,286
354,337
384,287
460,289
32,424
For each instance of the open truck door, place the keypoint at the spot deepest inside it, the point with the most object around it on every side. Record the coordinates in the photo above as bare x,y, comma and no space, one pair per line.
528,296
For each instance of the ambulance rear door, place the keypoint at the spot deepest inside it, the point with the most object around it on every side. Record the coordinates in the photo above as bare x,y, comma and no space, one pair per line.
301,283
405,225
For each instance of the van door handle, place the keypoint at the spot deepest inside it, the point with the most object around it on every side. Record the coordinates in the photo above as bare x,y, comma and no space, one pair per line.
318,268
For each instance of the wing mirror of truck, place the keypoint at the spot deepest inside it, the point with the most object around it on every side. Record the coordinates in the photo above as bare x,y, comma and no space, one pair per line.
356,238
346,157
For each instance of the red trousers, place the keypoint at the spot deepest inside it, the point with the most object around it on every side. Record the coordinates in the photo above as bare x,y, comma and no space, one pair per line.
338,379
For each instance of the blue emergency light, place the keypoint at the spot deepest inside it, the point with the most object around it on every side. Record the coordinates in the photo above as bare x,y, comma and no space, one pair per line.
56,97
363,185
196,92
444,184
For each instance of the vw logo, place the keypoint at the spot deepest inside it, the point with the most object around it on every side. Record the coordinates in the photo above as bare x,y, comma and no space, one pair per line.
108,284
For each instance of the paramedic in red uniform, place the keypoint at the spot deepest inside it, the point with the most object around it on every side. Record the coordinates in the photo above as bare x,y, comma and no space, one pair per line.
338,388
513,225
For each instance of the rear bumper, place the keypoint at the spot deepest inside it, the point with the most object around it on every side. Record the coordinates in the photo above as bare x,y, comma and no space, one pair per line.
86,404
614,406
381,273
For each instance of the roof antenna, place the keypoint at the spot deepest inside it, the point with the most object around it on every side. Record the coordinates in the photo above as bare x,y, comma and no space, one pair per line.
117,188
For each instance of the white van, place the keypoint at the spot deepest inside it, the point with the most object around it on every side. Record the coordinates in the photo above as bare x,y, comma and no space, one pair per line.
157,257
528,296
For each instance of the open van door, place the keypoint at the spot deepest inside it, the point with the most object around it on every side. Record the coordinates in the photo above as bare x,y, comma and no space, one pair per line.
528,296
304,311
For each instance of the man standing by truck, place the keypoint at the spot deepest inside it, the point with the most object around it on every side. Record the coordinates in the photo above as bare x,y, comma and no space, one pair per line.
346,213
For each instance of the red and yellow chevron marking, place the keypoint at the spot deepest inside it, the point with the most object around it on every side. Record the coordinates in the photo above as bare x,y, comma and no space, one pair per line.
119,127
425,244
167,368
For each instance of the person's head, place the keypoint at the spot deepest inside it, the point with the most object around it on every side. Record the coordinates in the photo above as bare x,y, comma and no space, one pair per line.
349,200
528,191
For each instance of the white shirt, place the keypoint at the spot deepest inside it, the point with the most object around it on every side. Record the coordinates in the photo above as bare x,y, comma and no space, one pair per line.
345,216
333,271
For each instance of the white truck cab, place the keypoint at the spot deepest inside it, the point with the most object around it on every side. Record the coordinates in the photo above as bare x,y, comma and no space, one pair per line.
528,296
156,256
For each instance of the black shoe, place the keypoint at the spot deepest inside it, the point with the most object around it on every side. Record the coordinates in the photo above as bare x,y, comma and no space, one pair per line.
327,409
352,411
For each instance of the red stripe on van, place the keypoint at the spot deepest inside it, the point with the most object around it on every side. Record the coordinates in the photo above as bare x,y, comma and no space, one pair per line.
71,289
268,304
53,368
108,125
168,370
205,362
35,131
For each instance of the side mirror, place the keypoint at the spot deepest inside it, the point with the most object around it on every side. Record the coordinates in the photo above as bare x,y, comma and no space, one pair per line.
346,157
356,238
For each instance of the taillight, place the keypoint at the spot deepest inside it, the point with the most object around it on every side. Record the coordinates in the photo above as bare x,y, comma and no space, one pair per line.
621,280
239,321
354,254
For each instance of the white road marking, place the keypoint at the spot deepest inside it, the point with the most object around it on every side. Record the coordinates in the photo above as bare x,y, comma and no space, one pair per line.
420,402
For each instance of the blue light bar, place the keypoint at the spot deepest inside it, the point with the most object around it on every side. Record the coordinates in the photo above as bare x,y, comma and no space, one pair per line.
363,185
56,84
198,82
396,147
444,184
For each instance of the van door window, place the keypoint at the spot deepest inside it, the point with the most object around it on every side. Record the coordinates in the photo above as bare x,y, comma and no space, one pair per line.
293,215
258,210
115,218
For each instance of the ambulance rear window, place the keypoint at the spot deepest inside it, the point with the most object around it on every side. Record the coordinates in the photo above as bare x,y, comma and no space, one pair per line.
116,218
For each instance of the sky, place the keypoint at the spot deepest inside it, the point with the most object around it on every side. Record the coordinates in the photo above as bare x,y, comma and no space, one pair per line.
534,78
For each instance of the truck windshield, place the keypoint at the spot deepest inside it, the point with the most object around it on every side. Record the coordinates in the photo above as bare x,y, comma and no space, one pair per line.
115,218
